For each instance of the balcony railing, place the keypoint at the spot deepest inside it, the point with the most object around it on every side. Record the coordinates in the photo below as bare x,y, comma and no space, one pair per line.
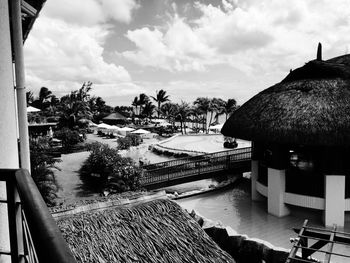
33,235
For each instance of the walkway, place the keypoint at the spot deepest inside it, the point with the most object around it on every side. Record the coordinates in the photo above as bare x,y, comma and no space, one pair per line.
196,168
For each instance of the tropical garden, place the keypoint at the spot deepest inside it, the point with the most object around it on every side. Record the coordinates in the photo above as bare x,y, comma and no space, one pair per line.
105,168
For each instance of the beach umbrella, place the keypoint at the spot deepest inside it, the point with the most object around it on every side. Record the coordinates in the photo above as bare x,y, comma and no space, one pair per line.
126,129
32,109
103,126
140,131
311,106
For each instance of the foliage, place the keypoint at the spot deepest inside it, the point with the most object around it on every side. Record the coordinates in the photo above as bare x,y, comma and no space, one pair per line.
68,137
42,165
160,98
109,170
128,141
148,109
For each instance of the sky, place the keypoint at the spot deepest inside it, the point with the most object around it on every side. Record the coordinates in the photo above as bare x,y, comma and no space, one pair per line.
225,49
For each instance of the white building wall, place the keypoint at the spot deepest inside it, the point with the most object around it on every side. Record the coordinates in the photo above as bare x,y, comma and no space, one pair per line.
334,200
275,193
8,134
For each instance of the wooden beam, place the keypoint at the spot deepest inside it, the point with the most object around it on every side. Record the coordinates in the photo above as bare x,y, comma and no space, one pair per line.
28,9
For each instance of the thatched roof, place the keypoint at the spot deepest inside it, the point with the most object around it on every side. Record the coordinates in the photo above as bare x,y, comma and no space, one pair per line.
115,116
311,106
157,231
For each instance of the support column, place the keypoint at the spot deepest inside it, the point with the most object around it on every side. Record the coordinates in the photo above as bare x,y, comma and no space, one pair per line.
8,134
256,196
334,200
20,84
275,194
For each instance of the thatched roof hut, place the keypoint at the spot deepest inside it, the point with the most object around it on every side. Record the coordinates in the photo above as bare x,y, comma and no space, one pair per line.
311,106
157,231
115,118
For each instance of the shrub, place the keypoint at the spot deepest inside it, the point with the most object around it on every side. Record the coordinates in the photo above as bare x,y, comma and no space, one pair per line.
68,137
128,141
42,164
105,169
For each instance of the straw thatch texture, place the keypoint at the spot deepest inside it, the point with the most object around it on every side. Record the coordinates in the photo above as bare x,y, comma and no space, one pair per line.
157,231
345,60
311,106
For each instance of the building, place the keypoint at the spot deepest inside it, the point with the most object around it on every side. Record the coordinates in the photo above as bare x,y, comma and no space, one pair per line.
28,232
299,130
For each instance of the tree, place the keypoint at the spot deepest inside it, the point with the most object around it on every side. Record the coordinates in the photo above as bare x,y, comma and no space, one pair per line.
148,109
135,103
105,169
203,107
215,107
143,99
43,100
42,165
160,98
75,106
183,110
228,108
169,110
29,97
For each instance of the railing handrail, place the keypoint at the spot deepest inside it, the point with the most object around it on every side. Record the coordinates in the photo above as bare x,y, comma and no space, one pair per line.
47,238
189,159
210,163
198,161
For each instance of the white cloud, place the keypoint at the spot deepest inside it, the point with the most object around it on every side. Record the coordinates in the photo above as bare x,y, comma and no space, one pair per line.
119,10
179,49
59,51
66,46
90,12
254,36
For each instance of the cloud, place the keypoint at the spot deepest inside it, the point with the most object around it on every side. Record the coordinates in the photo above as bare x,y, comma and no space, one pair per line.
253,36
66,46
90,12
56,50
178,49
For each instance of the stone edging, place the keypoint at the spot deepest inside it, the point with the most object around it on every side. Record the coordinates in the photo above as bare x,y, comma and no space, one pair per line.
110,204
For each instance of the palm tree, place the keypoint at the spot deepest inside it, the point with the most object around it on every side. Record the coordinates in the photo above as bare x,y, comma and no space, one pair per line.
83,92
143,99
228,108
160,98
135,103
215,107
203,107
169,110
183,110
72,109
148,109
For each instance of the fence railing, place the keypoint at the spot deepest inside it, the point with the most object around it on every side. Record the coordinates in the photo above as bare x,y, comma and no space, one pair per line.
33,233
201,164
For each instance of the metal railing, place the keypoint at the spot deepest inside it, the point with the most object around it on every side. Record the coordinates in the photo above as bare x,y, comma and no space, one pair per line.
33,233
202,164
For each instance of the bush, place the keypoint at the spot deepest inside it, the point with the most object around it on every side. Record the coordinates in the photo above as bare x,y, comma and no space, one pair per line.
107,170
42,164
68,137
128,141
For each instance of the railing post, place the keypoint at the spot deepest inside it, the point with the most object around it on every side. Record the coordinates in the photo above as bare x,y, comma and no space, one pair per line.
15,221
